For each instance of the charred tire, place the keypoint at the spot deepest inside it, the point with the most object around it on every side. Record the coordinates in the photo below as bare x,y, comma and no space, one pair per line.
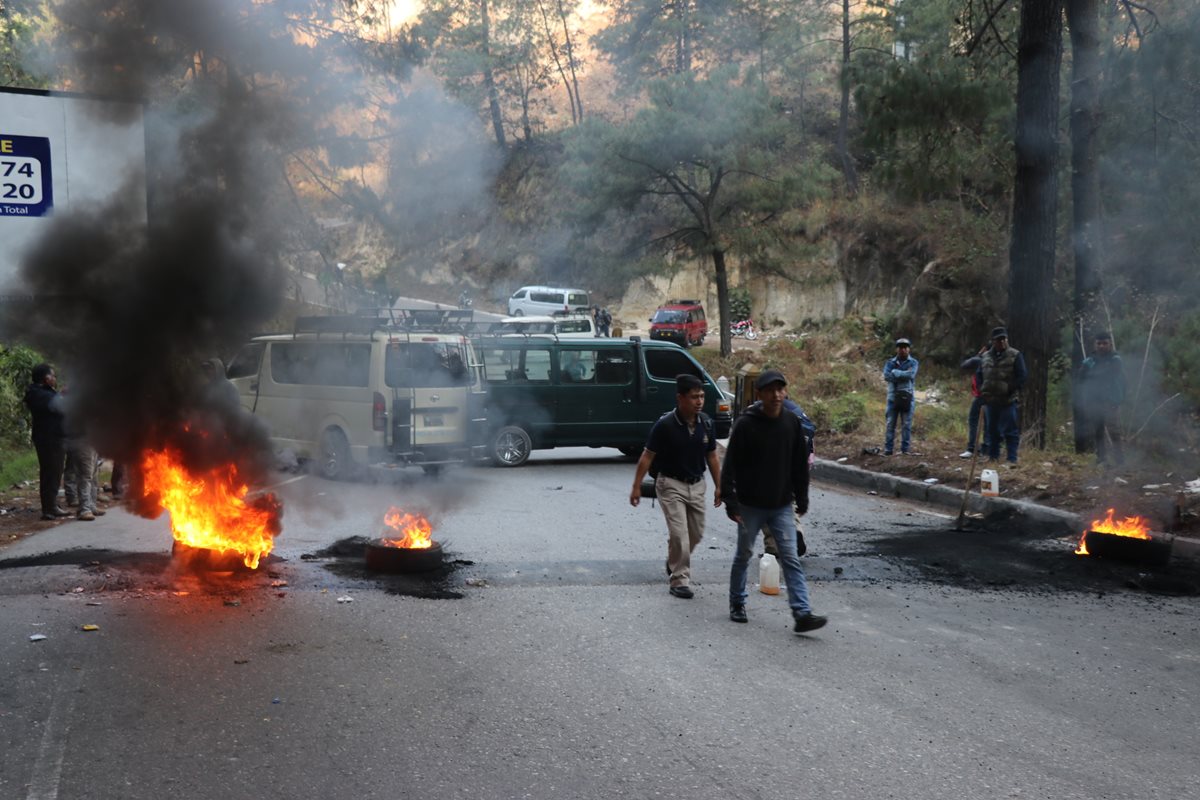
511,446
631,452
333,458
382,558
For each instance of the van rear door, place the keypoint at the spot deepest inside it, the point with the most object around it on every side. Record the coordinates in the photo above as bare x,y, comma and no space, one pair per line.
430,380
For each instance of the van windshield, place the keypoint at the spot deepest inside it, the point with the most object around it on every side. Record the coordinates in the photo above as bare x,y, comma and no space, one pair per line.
426,365
664,315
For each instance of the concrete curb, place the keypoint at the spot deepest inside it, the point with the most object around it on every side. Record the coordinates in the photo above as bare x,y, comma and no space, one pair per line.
1182,548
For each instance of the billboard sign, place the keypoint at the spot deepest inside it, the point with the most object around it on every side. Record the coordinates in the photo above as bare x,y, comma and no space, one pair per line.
62,152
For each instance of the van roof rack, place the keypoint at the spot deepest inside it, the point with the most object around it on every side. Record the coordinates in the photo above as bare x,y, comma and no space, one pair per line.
682,302
407,320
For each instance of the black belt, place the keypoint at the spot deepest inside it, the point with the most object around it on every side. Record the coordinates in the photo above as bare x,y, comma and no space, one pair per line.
683,479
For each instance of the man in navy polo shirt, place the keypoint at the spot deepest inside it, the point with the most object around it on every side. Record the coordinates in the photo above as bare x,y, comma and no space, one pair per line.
680,446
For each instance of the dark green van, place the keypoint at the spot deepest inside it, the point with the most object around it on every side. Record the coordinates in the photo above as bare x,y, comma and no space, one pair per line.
545,392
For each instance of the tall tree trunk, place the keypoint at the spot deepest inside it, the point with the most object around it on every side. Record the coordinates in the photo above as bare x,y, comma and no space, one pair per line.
569,44
718,257
843,146
489,80
558,63
1035,203
1083,16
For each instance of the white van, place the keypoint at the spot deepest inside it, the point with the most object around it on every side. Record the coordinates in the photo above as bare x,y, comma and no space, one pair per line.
564,326
347,392
546,300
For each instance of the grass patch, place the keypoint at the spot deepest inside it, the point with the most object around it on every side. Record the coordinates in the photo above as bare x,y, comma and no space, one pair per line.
17,466
841,414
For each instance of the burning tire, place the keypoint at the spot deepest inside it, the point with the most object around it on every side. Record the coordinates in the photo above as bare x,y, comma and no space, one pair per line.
382,557
334,457
511,446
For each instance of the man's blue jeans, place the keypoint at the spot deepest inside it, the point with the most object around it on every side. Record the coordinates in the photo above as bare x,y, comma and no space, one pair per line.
1003,427
905,431
783,528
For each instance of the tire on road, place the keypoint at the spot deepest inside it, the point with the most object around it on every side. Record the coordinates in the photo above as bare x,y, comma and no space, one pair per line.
511,446
333,455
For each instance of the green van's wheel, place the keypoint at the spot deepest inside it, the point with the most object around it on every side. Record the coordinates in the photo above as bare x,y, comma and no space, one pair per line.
334,458
631,452
511,446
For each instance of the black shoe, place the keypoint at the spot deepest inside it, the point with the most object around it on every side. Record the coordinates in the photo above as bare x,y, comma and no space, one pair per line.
48,517
684,592
809,622
738,613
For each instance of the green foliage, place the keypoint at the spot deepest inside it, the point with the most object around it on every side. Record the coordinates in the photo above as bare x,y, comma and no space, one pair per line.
16,362
20,21
16,465
840,414
1181,359
739,303
1150,103
936,129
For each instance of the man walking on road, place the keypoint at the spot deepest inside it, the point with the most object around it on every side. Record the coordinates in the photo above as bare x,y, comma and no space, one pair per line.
765,473
680,445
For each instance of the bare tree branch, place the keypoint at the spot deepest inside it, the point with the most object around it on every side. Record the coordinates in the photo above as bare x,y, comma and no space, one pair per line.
989,23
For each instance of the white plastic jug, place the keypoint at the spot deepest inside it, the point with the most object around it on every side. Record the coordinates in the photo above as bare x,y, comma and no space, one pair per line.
768,574
989,483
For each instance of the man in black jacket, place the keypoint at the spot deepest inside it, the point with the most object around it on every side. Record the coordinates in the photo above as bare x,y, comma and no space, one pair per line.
45,404
765,473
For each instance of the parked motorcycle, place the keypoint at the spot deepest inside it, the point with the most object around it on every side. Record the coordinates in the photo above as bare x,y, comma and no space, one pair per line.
744,328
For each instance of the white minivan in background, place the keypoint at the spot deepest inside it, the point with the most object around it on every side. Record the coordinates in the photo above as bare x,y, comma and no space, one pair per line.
564,326
546,300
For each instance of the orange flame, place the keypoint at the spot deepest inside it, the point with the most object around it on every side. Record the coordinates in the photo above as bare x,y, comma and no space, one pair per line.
416,530
1135,527
210,510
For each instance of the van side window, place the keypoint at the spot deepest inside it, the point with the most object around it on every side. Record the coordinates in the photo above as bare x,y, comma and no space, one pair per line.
547,297
577,366
614,367
666,364
425,365
517,365
321,364
245,363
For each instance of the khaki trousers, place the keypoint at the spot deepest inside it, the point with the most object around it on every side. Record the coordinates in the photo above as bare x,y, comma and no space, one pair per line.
683,507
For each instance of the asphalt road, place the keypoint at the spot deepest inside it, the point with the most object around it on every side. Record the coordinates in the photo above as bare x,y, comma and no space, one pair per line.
550,662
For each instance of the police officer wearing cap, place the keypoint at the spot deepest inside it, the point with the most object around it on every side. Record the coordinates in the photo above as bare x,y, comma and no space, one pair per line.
681,444
900,372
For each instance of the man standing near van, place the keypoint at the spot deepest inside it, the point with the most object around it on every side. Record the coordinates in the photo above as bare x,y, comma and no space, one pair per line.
765,474
680,445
